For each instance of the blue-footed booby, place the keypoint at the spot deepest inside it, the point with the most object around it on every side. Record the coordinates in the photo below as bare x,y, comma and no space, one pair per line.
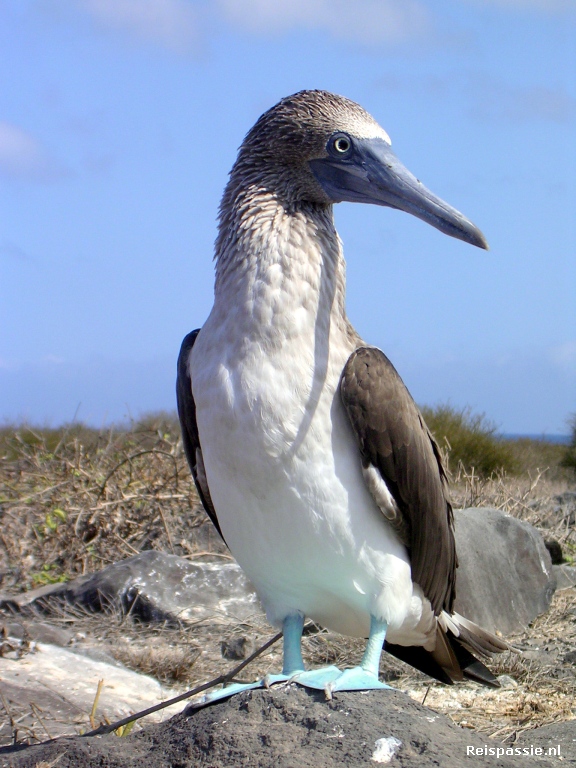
308,452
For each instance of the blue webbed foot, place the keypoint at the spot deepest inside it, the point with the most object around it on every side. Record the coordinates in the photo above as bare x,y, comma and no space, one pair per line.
272,679
329,679
354,679
316,678
229,690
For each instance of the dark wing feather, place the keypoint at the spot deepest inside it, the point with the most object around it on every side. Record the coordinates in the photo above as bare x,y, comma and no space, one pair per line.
394,439
187,414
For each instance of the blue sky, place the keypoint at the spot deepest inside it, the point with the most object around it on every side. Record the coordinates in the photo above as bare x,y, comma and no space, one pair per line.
119,122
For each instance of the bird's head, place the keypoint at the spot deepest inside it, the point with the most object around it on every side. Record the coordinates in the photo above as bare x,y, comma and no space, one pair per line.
319,148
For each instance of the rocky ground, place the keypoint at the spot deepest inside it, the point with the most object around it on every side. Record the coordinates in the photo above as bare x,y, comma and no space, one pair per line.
538,685
293,728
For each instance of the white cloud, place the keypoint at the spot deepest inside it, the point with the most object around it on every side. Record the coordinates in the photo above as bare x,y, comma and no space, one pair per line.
366,21
171,23
564,355
487,96
12,251
23,157
548,6
496,98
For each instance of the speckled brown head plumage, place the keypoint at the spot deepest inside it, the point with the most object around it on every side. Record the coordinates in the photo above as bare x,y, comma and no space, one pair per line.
276,151
298,127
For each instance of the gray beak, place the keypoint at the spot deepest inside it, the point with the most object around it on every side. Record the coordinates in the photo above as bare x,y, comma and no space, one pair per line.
371,173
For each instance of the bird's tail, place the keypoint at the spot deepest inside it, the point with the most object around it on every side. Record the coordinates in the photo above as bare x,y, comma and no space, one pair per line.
465,640
453,659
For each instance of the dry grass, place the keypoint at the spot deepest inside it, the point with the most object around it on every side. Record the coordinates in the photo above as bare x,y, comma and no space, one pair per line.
72,506
540,688
532,497
168,652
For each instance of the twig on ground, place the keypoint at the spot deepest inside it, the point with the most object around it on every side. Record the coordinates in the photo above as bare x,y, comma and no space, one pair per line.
10,717
36,712
95,703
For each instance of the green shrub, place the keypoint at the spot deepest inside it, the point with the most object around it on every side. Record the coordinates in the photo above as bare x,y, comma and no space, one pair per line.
28,438
534,455
469,439
569,457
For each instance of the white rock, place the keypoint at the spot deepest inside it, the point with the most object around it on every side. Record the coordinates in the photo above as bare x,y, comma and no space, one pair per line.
386,748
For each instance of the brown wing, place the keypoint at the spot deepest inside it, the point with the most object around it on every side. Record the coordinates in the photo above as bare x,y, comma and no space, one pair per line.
395,441
187,414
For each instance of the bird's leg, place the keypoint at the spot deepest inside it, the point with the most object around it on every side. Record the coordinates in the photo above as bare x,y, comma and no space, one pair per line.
292,628
365,676
371,660
293,664
329,679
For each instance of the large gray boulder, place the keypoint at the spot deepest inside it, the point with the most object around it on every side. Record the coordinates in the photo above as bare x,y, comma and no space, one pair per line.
565,576
505,577
154,586
157,587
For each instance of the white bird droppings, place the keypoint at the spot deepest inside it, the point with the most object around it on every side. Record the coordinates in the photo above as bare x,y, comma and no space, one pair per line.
386,748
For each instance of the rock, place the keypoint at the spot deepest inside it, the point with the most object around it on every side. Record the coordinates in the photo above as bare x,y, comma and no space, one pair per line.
505,578
289,727
16,602
557,736
565,576
14,640
40,632
154,586
29,631
565,505
61,685
236,649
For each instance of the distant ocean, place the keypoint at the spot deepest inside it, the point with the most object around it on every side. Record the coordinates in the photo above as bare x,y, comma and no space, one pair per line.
561,439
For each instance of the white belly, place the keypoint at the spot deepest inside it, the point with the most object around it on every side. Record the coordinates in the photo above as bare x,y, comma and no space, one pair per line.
285,477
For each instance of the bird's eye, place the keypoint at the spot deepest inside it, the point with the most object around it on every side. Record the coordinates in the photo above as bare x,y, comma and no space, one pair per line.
340,144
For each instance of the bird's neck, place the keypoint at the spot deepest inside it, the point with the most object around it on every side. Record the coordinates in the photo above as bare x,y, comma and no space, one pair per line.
283,264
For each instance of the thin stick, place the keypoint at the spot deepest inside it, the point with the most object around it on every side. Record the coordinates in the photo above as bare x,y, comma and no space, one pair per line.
36,711
95,703
10,718
157,707
166,529
205,553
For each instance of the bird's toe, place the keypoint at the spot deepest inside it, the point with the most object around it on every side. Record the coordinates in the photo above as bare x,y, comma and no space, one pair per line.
230,690
354,679
316,678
